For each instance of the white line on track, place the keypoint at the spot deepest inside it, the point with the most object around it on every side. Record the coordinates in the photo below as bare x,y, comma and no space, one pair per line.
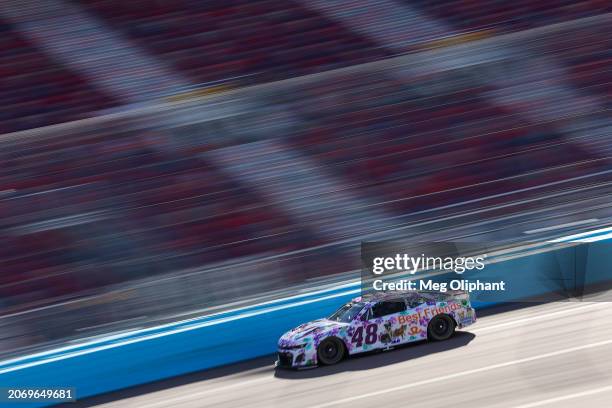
532,318
566,397
437,380
193,395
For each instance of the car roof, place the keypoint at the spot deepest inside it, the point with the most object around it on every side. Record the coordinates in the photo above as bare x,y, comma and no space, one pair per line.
408,294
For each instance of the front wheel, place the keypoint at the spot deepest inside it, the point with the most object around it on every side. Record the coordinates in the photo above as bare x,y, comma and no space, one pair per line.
441,327
330,351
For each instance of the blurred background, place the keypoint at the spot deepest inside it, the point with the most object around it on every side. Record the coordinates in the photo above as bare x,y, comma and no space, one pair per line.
164,159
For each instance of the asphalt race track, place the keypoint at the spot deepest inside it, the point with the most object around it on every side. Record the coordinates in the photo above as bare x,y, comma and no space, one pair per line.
547,355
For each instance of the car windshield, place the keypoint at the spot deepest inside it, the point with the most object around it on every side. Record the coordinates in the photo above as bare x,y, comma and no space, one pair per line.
347,313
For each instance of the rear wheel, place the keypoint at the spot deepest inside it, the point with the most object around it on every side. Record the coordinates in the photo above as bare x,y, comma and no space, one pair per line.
330,351
441,327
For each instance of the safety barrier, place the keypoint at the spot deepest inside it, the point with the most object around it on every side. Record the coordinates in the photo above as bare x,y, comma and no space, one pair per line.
142,356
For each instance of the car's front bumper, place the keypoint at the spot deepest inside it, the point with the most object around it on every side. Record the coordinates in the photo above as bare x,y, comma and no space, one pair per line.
297,358
284,360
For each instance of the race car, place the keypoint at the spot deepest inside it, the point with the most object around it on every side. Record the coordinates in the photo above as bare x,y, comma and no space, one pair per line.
375,321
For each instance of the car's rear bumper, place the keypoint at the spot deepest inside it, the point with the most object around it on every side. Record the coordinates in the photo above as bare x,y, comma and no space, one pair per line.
469,317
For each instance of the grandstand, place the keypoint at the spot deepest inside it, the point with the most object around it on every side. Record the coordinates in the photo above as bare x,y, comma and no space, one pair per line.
216,40
501,16
38,91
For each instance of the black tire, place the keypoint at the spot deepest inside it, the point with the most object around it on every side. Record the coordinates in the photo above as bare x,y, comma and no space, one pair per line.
441,327
330,351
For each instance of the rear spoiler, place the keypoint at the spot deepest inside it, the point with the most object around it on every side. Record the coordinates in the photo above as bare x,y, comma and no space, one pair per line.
460,295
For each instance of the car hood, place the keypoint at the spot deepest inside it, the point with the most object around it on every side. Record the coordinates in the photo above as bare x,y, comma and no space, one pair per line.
311,330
